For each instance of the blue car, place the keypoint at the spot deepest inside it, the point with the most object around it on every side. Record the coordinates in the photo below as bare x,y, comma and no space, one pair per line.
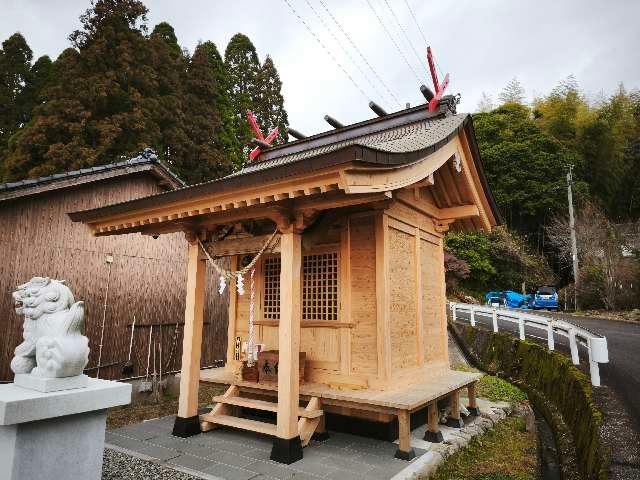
495,299
546,297
508,298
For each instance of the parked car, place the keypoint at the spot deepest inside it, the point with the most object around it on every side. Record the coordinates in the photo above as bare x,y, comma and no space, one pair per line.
508,298
495,299
546,297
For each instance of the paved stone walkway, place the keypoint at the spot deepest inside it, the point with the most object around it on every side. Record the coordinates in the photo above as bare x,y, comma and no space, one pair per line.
237,455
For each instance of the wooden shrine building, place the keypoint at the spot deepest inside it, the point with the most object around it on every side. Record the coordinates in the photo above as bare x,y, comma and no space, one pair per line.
350,292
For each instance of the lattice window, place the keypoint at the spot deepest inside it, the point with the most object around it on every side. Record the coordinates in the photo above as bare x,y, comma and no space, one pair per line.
271,307
319,287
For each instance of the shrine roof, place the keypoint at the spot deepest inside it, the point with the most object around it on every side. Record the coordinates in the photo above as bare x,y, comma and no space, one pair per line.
397,139
411,130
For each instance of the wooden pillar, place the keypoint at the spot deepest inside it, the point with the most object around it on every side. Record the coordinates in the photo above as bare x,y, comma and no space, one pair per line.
419,313
232,363
404,452
287,447
187,423
473,403
433,433
382,297
454,419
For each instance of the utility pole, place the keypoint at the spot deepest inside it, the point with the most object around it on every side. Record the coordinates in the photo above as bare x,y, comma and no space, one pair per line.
574,243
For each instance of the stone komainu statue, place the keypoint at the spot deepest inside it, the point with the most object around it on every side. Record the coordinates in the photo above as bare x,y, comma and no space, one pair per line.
53,343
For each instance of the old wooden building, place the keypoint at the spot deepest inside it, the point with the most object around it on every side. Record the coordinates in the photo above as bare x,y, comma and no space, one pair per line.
142,277
349,291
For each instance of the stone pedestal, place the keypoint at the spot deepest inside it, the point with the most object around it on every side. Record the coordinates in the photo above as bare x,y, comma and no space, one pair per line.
57,434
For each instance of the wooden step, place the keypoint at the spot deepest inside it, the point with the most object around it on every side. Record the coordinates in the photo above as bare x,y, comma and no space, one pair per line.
242,423
263,405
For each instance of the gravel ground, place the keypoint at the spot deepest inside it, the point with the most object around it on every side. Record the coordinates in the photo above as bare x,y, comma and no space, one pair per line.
120,466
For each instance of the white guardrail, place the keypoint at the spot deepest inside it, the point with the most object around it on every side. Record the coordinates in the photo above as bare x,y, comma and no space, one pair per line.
596,345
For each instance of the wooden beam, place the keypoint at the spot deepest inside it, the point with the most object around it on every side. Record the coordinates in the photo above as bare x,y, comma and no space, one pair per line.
192,342
471,390
231,325
457,212
479,196
382,297
242,246
219,409
462,211
433,419
455,405
307,424
404,431
419,315
289,334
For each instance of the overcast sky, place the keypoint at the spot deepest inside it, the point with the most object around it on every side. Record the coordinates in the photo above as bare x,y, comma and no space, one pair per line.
482,44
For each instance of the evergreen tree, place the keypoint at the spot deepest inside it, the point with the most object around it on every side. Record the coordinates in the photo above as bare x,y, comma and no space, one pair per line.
513,92
15,66
165,105
39,77
271,112
243,68
209,115
97,107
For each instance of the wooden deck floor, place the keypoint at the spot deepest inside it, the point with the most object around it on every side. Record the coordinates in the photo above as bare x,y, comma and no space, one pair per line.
408,398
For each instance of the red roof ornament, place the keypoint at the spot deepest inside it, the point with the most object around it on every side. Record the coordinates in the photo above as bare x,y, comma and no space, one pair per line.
438,87
259,136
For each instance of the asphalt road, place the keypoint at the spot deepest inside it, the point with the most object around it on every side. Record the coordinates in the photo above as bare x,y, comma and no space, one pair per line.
619,395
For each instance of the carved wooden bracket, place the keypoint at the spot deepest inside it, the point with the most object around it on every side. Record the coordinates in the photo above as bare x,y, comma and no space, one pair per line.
442,225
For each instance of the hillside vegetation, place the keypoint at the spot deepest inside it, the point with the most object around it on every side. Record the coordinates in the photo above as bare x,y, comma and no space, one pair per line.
525,149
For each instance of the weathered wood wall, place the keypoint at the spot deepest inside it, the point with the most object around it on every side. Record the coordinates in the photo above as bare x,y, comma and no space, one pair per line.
147,279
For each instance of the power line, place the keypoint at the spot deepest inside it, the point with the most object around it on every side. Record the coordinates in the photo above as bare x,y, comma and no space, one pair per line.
404,32
364,59
393,40
326,27
326,49
415,20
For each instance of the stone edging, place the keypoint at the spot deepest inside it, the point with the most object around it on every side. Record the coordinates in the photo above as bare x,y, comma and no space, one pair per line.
454,440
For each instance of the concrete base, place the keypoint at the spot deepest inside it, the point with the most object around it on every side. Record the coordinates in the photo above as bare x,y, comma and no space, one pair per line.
320,436
455,422
46,385
474,411
286,451
186,427
433,437
410,455
57,434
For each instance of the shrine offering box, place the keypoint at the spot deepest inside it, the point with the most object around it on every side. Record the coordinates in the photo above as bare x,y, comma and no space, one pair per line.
268,366
249,374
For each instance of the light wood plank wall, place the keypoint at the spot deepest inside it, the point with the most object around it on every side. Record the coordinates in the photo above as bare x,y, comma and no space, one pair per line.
414,288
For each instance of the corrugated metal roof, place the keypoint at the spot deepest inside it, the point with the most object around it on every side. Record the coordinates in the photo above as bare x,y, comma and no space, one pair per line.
142,159
408,138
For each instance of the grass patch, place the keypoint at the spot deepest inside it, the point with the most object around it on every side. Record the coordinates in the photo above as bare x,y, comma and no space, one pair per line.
506,452
495,389
168,405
